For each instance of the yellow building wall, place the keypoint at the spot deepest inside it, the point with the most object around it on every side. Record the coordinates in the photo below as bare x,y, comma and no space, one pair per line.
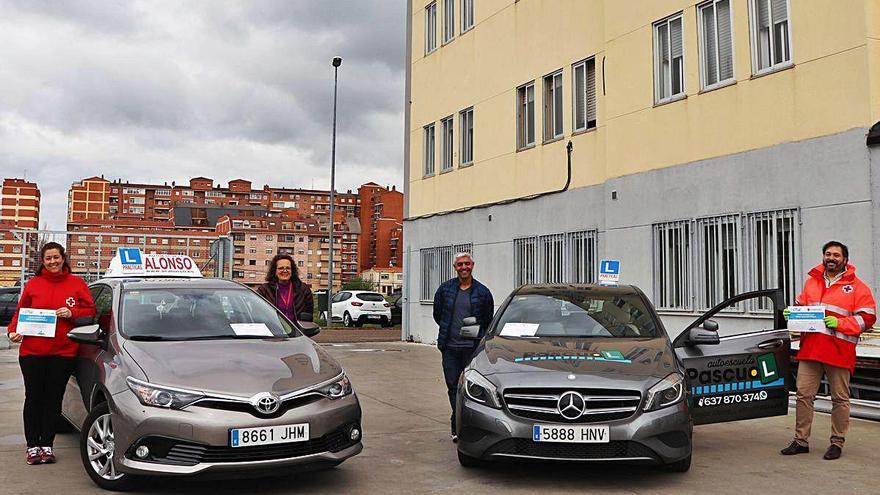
832,87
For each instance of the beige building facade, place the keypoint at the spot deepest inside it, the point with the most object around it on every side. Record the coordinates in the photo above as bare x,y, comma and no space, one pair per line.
704,136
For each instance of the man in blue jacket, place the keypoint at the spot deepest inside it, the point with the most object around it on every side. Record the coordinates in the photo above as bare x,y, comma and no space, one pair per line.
455,300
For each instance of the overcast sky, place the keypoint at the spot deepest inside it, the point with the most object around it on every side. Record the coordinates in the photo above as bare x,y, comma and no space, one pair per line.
167,90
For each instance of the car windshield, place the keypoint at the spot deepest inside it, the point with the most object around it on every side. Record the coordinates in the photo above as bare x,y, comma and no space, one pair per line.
370,296
576,314
193,314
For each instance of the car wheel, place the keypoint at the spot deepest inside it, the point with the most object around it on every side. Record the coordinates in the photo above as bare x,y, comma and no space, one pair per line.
468,461
681,466
386,323
346,320
97,449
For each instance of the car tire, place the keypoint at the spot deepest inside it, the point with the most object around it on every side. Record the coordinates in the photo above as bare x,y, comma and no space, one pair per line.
386,324
96,433
468,461
346,320
681,466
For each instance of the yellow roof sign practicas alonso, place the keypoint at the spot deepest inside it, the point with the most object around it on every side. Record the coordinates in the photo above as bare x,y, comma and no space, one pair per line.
132,262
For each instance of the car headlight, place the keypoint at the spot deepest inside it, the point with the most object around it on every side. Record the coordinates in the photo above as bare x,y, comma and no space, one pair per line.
666,392
158,396
479,389
338,389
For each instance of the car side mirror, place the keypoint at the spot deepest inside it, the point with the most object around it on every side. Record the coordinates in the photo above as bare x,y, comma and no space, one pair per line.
88,334
710,325
703,336
84,321
309,329
470,329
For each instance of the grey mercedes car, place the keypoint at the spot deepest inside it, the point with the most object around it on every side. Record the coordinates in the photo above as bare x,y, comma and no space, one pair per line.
588,373
182,376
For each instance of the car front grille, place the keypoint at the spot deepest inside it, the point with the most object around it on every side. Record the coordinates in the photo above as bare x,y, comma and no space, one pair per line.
541,404
617,449
170,451
241,406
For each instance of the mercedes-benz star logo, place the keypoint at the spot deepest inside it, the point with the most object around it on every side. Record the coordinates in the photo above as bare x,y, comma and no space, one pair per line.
571,405
266,402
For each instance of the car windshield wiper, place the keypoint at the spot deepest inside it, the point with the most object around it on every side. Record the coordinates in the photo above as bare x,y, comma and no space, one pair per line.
148,338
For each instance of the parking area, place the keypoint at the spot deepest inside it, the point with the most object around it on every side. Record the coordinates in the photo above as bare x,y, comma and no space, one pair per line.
407,448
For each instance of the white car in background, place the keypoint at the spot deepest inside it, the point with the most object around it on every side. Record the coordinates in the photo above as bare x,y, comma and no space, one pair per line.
356,307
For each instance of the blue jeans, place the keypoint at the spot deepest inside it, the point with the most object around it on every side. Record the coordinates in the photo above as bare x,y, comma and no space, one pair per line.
455,359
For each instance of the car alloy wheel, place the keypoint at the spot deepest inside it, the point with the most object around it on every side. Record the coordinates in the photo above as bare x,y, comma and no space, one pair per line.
97,447
346,320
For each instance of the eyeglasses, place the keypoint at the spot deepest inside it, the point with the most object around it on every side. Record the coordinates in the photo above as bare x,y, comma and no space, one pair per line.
283,269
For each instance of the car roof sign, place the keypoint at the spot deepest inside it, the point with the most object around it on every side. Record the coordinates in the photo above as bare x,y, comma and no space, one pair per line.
132,262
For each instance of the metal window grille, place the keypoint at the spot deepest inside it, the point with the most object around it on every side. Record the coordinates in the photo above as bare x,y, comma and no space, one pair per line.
719,259
672,266
774,255
436,267
555,258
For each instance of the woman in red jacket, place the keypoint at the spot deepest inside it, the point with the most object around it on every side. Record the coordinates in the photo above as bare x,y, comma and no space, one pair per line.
47,362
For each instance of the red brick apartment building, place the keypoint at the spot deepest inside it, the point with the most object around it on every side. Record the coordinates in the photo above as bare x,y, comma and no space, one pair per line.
19,209
381,217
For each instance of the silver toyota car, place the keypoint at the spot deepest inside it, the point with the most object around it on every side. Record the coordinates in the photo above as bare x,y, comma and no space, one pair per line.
588,373
181,376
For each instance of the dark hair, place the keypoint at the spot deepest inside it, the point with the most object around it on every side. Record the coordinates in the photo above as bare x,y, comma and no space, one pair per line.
841,245
270,274
48,246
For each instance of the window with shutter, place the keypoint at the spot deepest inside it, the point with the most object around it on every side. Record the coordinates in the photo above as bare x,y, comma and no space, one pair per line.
584,100
430,27
716,42
668,59
525,115
553,106
428,159
771,44
448,20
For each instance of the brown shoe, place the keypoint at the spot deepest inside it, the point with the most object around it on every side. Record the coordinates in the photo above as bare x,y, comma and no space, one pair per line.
794,449
832,453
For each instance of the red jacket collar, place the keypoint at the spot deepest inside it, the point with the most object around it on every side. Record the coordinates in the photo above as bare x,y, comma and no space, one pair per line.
56,277
818,272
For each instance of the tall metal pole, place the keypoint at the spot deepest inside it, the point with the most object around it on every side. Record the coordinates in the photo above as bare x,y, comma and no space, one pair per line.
337,61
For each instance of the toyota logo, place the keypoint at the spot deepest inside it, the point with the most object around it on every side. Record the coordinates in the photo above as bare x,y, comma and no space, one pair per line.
571,405
266,403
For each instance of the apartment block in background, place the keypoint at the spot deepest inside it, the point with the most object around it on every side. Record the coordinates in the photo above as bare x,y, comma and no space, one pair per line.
19,210
381,221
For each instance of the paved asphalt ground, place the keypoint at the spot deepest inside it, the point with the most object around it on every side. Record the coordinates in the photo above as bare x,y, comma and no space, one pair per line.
407,449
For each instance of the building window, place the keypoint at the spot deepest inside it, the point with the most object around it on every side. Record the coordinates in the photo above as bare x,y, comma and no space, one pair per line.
555,258
430,27
672,269
553,106
774,254
584,82
525,116
466,128
467,15
428,158
717,246
270,237
771,34
269,251
716,43
668,59
436,267
448,20
446,148
252,250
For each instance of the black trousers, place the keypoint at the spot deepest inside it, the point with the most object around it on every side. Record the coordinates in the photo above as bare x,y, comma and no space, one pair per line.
45,378
454,361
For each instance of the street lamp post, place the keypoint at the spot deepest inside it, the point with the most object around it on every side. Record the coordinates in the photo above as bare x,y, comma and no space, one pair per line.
337,61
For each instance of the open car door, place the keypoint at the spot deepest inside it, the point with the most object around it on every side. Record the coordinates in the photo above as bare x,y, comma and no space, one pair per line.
741,376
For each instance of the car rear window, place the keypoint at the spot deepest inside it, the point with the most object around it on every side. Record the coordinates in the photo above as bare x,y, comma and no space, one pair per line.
577,314
189,313
370,296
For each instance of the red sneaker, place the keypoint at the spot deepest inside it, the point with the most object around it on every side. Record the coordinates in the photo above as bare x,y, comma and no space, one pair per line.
33,456
46,455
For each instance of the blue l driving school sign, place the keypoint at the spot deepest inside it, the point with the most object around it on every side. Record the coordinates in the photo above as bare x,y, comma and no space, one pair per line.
609,270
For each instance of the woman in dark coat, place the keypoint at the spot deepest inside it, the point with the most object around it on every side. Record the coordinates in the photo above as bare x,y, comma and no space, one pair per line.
286,291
